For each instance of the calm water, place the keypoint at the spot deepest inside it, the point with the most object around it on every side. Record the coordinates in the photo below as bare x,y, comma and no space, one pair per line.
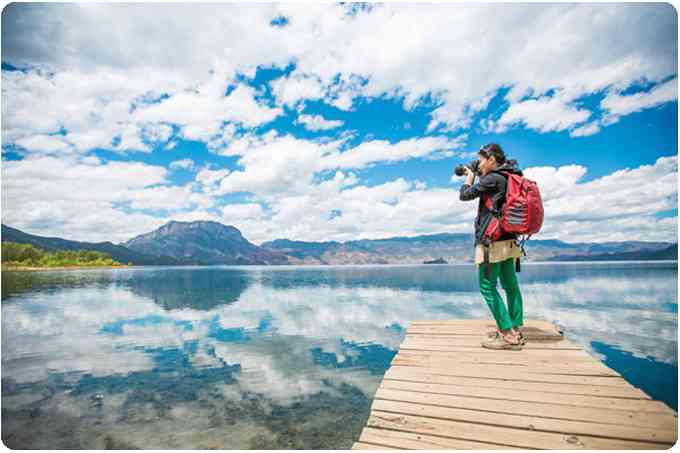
278,357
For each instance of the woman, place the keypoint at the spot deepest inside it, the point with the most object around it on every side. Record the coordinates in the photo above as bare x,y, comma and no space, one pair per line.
502,253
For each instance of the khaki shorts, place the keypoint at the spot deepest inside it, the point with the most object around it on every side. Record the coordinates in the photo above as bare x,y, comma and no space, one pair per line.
498,251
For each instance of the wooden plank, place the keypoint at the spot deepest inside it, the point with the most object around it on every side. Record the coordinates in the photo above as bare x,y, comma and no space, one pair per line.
535,337
546,332
532,377
426,376
528,422
642,405
567,354
474,342
582,369
471,321
505,357
422,441
536,360
522,438
480,323
588,414
365,446
476,334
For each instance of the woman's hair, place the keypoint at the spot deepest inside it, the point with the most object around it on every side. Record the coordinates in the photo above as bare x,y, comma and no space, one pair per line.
494,150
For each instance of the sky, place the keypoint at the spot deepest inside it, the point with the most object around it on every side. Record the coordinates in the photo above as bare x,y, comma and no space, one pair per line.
329,121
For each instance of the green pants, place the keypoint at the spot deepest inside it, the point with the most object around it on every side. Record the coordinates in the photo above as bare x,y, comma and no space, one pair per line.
513,315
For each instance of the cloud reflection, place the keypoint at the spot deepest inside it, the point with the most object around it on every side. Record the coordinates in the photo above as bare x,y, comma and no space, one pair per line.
284,343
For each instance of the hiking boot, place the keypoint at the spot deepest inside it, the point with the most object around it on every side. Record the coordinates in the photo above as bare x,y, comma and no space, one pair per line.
498,342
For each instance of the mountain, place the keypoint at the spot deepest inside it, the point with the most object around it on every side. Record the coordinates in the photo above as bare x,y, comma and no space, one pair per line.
457,248
395,250
666,253
208,242
203,242
118,252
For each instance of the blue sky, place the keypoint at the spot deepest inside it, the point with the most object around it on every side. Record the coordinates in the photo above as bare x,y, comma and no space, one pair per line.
333,124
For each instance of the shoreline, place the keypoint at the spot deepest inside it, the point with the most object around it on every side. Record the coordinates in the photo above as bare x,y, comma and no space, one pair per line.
59,268
274,266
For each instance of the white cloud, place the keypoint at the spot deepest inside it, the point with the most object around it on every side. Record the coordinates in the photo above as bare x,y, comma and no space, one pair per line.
43,143
238,212
436,50
555,182
296,87
132,97
187,164
620,206
76,199
206,108
585,130
617,104
544,114
209,179
375,151
157,133
95,109
318,122
284,164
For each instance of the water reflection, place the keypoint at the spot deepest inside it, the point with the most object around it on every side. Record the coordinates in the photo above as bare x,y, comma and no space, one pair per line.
200,288
280,357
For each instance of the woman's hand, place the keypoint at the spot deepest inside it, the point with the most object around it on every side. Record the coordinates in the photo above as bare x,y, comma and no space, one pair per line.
470,176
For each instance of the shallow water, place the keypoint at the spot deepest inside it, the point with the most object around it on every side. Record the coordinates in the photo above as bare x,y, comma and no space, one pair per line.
239,357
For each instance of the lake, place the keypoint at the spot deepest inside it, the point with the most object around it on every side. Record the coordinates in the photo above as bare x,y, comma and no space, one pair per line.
273,357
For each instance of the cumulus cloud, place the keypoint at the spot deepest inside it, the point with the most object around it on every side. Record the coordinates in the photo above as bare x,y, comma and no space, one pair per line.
76,92
618,105
585,130
209,179
371,152
620,206
242,211
107,113
285,164
616,207
544,114
339,57
82,199
318,122
186,164
291,90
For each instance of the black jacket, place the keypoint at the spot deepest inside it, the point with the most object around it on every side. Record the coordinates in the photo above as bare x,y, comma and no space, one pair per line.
493,183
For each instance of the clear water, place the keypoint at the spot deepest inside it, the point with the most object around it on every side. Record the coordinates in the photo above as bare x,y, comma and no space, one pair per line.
238,357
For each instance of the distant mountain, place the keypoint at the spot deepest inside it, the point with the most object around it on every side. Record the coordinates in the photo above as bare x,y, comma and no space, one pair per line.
667,253
208,242
395,250
203,242
118,252
454,248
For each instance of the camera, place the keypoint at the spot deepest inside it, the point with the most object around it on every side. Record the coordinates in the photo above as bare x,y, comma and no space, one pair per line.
474,166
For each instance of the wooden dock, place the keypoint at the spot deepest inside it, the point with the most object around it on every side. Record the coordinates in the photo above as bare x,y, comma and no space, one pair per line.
444,391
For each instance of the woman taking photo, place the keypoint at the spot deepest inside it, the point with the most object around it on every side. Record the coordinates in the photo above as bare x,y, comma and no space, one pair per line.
502,253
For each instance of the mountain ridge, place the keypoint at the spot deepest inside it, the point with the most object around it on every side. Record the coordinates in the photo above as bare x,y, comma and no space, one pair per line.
206,242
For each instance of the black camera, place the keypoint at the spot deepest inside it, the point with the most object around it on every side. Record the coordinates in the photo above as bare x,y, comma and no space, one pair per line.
474,166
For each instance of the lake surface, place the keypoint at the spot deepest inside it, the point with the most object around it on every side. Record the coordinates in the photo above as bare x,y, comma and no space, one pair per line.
239,357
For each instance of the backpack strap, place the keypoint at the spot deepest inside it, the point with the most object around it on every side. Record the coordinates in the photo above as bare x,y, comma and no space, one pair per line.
487,199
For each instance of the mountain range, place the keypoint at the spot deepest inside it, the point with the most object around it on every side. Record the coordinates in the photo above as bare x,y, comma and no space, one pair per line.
208,242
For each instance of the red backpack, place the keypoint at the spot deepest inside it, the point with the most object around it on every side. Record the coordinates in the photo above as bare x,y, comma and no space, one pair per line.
522,213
